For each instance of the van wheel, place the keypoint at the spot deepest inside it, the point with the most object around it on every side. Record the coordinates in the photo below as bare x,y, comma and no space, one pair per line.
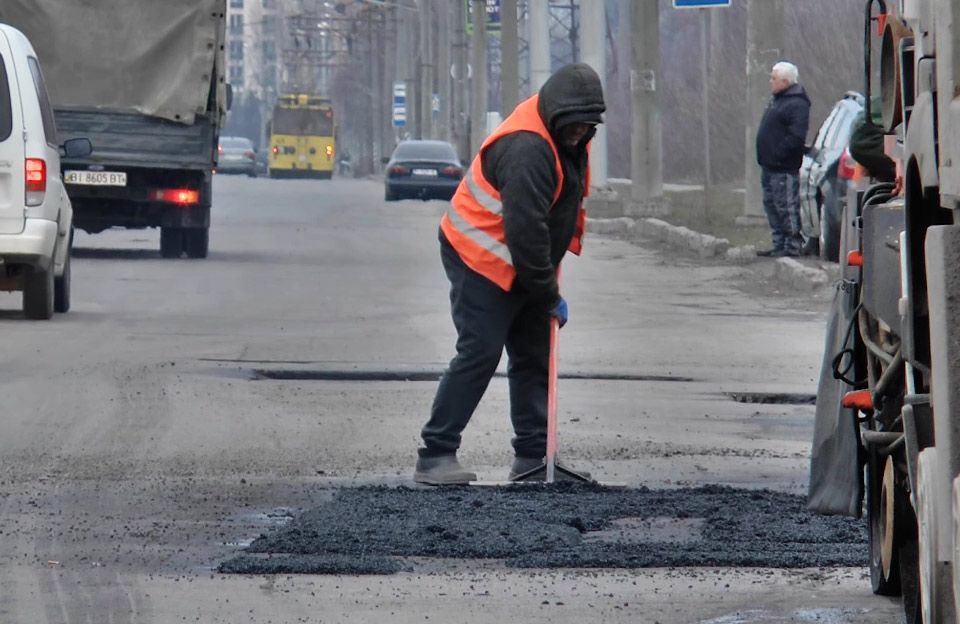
61,288
171,242
196,242
38,295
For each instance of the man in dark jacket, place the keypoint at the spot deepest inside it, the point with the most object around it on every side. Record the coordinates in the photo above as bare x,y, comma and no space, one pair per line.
515,214
780,148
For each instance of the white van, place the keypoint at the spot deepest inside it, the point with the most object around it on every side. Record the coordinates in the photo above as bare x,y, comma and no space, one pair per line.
36,218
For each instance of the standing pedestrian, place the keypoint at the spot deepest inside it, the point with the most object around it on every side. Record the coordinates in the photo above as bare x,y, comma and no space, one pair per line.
515,214
780,149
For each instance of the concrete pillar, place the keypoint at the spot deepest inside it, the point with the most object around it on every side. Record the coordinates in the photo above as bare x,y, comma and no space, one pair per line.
427,68
593,24
478,111
444,83
646,171
539,22
461,102
764,41
510,55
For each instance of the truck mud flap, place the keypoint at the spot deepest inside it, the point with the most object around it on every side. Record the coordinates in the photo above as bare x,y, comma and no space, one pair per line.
836,472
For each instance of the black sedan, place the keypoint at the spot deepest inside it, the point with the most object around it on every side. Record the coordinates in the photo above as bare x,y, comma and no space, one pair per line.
422,170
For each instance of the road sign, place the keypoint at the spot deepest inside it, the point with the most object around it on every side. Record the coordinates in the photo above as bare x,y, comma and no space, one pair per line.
493,16
399,104
700,4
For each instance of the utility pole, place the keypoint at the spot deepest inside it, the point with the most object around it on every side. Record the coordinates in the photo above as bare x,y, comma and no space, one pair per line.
764,38
461,104
444,49
478,116
510,54
593,23
646,171
539,21
427,67
404,54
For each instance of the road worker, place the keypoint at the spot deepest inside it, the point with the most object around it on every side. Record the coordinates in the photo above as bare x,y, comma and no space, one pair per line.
515,214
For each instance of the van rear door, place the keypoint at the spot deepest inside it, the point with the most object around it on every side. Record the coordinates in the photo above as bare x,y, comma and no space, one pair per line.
12,182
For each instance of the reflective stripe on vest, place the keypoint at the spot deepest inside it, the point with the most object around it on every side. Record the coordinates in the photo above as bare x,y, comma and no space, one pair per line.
473,224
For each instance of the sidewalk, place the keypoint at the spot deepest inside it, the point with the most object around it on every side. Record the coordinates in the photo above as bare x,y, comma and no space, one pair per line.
801,274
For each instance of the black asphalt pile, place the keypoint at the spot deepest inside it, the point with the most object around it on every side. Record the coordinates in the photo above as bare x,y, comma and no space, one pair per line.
375,530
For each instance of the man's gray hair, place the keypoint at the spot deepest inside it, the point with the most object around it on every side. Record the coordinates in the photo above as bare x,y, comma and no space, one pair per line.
787,71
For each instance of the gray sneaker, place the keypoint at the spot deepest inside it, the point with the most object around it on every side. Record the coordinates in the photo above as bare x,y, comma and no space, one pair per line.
532,469
442,470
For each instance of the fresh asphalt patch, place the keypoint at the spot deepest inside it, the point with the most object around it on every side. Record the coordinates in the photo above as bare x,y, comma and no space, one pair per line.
384,530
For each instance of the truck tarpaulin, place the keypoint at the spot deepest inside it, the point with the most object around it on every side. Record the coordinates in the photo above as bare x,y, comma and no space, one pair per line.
150,57
836,475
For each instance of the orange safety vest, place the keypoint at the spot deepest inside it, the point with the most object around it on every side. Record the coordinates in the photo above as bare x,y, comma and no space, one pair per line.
473,224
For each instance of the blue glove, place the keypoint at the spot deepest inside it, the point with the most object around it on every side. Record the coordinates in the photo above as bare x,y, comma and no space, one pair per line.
561,312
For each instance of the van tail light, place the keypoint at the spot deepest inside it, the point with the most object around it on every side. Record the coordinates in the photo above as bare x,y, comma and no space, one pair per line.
248,154
847,166
183,196
36,181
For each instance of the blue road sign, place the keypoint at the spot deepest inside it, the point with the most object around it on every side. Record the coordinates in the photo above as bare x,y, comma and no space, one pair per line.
700,4
399,104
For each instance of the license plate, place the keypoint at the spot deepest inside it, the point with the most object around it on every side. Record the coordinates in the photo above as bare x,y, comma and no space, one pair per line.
96,178
425,172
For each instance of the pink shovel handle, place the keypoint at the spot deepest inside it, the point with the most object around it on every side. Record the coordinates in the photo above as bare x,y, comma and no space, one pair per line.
552,400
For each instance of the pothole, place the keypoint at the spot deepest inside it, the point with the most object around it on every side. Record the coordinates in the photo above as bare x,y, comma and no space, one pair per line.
427,375
659,530
775,398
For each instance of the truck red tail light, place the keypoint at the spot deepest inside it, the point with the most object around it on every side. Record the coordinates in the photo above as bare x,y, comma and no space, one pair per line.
36,180
176,196
846,167
328,150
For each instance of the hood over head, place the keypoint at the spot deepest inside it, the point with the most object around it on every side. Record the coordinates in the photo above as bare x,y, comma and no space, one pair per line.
573,93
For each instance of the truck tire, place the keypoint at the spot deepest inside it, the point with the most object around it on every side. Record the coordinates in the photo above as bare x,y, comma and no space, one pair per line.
171,242
61,288
38,295
829,220
196,242
883,502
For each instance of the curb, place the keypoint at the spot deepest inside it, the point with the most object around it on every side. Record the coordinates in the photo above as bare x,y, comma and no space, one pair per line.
786,270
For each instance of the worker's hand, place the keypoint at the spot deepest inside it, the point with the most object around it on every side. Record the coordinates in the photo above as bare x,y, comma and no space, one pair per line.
560,312
898,186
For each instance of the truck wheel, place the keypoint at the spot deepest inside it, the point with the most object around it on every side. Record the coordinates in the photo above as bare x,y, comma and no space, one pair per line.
196,242
935,580
829,219
61,288
38,295
171,242
882,513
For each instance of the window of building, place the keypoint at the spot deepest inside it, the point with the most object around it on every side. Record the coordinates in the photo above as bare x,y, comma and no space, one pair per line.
268,4
236,24
236,50
269,51
236,4
236,75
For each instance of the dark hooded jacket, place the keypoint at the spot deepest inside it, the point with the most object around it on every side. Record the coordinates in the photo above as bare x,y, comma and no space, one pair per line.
520,166
783,131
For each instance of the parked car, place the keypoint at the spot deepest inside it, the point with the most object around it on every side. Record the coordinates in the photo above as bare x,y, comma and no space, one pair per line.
36,216
236,155
824,175
423,170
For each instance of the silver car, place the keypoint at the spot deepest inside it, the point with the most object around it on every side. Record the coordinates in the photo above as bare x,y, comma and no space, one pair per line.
822,190
236,155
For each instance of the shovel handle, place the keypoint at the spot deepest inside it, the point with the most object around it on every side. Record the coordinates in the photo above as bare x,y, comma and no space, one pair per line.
552,400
